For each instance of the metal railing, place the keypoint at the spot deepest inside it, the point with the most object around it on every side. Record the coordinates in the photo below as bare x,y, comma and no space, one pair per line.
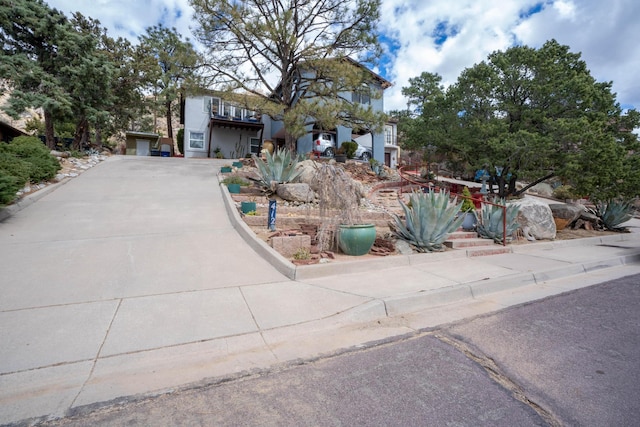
404,177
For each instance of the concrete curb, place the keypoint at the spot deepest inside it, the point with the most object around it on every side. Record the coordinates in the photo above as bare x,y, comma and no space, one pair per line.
27,201
308,272
414,302
281,264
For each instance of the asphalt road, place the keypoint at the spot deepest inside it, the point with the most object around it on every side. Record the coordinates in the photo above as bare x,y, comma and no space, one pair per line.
567,360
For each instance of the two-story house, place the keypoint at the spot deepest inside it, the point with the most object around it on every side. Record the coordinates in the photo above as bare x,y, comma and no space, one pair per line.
213,125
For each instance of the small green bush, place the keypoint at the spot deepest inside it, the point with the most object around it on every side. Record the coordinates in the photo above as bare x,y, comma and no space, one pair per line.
14,174
234,179
43,166
350,148
180,140
9,186
564,192
467,204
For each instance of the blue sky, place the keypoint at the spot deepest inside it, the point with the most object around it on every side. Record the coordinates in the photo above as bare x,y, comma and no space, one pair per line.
445,36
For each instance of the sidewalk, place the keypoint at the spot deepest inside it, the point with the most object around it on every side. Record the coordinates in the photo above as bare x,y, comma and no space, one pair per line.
171,295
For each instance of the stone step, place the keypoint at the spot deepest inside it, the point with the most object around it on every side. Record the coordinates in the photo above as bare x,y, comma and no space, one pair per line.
460,234
466,242
494,249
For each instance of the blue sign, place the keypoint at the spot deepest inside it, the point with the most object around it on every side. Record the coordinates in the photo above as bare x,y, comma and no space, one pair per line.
272,215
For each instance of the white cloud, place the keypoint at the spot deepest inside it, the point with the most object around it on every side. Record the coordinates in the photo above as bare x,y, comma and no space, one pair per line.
130,18
604,32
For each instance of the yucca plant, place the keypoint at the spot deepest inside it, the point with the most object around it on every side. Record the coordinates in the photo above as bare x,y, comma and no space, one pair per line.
490,225
279,168
615,212
429,221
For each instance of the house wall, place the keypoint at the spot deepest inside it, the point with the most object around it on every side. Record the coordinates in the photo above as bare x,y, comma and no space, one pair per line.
196,120
233,143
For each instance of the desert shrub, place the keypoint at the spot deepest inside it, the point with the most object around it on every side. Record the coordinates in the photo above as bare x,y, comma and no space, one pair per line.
564,192
43,166
491,221
613,213
235,179
279,168
428,221
14,174
349,148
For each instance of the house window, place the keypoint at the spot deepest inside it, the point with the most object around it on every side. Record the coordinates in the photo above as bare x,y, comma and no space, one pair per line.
211,105
215,106
227,110
388,133
361,96
237,113
196,140
254,145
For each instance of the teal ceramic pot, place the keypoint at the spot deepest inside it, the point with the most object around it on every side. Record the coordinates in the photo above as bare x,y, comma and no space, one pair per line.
225,169
234,188
237,164
356,239
247,207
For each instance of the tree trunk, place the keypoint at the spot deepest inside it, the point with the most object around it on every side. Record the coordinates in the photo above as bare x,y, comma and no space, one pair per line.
79,134
290,143
48,130
169,125
98,137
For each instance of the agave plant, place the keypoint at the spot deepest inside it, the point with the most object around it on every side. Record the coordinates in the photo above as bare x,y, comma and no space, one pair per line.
430,219
279,168
491,226
615,212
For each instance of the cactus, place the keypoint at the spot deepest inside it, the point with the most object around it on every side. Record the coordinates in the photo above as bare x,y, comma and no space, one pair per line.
490,225
615,212
429,221
279,168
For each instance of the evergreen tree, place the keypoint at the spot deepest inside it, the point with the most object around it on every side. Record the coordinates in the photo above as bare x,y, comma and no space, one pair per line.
290,59
35,41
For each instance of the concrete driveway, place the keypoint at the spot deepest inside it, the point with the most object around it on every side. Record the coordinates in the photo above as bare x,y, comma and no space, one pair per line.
134,255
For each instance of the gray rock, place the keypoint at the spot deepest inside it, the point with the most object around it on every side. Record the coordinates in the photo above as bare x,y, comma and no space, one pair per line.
308,172
295,192
403,247
60,154
542,189
565,214
536,218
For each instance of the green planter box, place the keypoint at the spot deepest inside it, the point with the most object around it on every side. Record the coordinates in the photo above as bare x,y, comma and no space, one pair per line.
225,169
233,188
237,164
247,207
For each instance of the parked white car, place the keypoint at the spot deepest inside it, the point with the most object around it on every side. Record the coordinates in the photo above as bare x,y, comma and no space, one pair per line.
324,144
363,152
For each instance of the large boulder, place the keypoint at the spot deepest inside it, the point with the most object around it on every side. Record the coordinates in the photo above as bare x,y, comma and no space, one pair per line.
307,170
565,214
542,189
296,192
535,219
